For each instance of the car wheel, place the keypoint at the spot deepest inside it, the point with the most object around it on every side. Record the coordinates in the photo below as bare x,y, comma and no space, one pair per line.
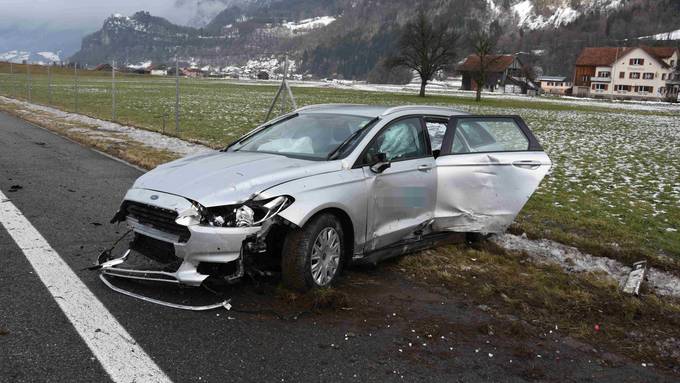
312,255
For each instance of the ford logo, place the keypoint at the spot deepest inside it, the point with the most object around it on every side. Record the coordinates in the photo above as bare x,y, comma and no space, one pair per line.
154,197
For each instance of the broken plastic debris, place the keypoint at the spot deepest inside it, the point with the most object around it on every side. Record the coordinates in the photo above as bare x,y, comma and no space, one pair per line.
635,278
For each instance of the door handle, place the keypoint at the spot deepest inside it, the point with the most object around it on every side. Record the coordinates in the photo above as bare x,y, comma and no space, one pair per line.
527,164
424,167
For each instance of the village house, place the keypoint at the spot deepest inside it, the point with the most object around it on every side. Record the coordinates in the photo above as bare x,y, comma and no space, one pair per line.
641,73
554,84
504,73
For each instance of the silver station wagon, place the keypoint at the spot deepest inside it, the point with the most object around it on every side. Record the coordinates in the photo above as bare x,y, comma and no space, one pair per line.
328,185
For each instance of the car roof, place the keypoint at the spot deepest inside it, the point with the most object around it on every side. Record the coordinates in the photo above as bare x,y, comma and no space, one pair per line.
377,110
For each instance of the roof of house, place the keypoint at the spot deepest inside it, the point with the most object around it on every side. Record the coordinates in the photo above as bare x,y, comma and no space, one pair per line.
605,56
498,63
552,78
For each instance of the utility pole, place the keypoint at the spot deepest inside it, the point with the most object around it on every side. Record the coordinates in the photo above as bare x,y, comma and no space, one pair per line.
177,95
49,85
113,90
284,89
75,72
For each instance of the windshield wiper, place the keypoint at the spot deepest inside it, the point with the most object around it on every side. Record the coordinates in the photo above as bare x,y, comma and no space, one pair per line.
331,155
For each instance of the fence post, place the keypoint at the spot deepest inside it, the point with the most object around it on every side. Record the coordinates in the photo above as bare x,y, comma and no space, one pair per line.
75,71
49,85
113,90
28,80
177,96
11,78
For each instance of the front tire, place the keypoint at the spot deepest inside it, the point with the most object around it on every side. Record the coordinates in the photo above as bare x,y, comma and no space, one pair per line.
312,255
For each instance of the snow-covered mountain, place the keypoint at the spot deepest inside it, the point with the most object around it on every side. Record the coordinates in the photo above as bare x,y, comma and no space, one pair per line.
540,14
20,56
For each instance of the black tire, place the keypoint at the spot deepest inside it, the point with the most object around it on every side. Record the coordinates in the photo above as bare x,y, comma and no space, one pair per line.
296,258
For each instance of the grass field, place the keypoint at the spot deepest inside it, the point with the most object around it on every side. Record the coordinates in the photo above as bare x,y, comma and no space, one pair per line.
614,189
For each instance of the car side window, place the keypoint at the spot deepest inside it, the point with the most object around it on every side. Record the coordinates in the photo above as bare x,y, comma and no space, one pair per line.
490,135
403,140
436,129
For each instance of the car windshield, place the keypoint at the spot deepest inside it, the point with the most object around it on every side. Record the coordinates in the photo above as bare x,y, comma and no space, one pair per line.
306,135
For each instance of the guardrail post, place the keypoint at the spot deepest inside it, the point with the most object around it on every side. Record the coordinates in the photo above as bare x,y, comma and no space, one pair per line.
177,96
28,80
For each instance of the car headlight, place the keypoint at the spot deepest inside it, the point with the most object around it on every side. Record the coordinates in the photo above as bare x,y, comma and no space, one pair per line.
251,213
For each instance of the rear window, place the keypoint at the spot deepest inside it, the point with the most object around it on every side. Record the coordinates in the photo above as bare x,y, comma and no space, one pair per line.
490,135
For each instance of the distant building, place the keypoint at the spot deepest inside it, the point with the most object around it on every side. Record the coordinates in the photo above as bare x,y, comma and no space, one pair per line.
504,72
628,73
103,67
554,84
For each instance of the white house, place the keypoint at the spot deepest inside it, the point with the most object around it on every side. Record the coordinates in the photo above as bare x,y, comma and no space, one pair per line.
628,73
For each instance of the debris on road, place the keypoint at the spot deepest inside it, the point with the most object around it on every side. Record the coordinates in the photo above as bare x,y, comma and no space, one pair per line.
15,188
635,278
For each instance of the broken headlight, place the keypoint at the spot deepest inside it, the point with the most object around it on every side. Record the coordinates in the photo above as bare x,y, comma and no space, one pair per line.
251,213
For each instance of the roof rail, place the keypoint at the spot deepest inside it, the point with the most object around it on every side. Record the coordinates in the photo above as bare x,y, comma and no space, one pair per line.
320,106
403,108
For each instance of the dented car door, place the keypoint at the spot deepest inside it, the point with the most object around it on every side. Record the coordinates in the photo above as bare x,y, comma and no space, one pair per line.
487,170
402,197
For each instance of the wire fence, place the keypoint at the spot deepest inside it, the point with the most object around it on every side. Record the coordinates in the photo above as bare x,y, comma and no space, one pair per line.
97,93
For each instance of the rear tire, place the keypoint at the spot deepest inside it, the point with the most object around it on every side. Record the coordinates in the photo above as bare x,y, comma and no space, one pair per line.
313,255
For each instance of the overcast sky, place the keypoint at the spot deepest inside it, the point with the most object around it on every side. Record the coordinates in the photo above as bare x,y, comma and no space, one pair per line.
80,14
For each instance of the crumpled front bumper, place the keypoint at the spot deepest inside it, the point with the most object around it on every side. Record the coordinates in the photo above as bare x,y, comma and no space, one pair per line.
203,244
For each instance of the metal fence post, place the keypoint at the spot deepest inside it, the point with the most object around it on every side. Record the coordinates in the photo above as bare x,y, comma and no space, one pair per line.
49,85
11,78
75,70
28,80
113,90
177,95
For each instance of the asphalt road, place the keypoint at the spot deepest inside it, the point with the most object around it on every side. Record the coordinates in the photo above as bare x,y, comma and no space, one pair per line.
391,330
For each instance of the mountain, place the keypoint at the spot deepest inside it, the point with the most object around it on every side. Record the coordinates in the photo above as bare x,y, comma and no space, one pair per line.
42,58
349,38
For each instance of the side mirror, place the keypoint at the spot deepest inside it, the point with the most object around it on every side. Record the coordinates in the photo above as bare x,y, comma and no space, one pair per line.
380,163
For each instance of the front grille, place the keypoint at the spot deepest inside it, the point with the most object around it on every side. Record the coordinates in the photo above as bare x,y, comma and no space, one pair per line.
157,218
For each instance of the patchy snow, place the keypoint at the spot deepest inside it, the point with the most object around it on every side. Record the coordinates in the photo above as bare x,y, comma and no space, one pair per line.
559,13
672,35
573,260
141,65
309,24
104,130
50,56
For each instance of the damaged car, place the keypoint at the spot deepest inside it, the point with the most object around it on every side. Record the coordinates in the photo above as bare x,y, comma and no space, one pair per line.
316,190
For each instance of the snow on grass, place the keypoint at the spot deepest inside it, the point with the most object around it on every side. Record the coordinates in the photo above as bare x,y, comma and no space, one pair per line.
103,129
573,260
672,35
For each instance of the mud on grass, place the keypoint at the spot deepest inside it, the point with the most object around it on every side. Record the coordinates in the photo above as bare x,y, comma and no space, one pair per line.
511,285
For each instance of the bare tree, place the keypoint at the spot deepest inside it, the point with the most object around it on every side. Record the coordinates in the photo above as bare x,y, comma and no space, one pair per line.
484,44
425,48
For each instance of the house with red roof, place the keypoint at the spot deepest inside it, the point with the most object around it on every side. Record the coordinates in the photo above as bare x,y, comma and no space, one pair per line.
504,72
642,73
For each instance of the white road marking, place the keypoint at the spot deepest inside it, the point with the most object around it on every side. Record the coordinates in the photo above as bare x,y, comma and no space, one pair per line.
120,355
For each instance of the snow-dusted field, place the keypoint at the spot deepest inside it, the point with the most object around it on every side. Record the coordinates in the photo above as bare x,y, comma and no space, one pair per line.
617,165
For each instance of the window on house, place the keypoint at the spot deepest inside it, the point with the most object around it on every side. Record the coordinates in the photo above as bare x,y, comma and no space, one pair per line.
622,88
672,62
622,74
644,89
662,90
600,87
637,61
604,74
634,75
585,78
663,76
648,76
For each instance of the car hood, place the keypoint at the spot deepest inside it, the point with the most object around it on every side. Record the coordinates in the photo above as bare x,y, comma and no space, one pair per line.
226,178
